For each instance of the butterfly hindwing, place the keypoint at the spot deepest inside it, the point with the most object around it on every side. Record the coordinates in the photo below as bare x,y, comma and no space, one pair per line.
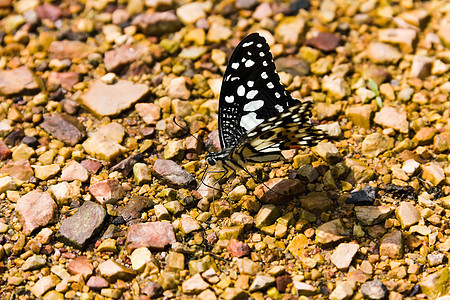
251,91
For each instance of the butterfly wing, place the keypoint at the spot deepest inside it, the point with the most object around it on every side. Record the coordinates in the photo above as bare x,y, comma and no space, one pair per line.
287,130
251,91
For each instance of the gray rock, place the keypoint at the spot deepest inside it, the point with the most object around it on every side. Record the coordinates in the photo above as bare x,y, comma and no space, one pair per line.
64,127
173,174
261,282
374,289
83,225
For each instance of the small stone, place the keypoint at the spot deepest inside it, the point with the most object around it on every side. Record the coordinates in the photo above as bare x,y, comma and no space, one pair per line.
403,37
108,245
375,144
194,285
407,214
282,283
80,265
157,23
237,248
435,284
303,289
360,115
247,266
34,262
69,49
435,259
177,89
433,173
307,173
45,172
298,245
141,173
5,152
97,282
149,112
316,202
231,293
370,215
190,13
22,152
360,172
175,150
36,209
107,191
218,33
152,289
329,152
122,56
81,226
7,184
324,41
278,190
139,258
330,233
173,174
391,245
366,196
410,167
17,80
74,171
389,116
175,262
425,135
421,67
336,87
66,80
207,295
134,207
113,271
343,255
261,282
266,215
343,291
237,193
104,143
44,284
441,142
154,235
381,53
189,224
374,290
290,30
293,66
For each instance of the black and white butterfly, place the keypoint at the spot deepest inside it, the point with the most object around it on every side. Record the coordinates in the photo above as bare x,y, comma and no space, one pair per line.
258,117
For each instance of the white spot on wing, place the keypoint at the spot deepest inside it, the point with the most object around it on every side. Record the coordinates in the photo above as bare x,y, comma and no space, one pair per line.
270,85
253,105
265,63
264,75
229,99
247,44
250,83
249,63
235,65
249,121
277,95
261,54
234,78
252,94
279,107
259,45
241,90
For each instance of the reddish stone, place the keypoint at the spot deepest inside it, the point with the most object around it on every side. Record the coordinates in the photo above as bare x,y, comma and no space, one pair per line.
237,248
107,191
324,41
17,80
69,49
81,265
97,282
278,190
282,282
36,209
64,127
5,152
91,166
48,11
154,235
123,55
66,80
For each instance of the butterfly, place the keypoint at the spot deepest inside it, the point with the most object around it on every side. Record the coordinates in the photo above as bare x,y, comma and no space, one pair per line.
258,117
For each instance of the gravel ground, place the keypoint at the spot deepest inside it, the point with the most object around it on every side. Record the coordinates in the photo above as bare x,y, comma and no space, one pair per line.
101,193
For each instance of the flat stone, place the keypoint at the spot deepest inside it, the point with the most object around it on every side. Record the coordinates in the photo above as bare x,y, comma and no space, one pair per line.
69,49
293,66
111,99
289,30
278,190
154,290
343,255
194,285
329,152
66,80
177,89
441,142
336,86
374,290
87,221
247,266
381,53
7,183
407,214
389,116
134,207
5,152
324,41
237,248
158,23
375,144
126,165
190,13
112,271
317,202
410,166
34,262
139,258
436,284
261,282
44,284
404,37
266,215
74,171
64,127
304,289
104,143
173,174
149,112
154,235
433,173
36,209
119,57
107,191
232,293
218,32
343,290
46,172
360,115
49,11
63,192
391,245
97,282
366,196
421,67
330,233
360,172
370,215
17,80
80,265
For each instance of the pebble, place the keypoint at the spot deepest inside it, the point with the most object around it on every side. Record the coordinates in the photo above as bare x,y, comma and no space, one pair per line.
324,41
435,284
32,202
360,115
289,30
112,271
375,144
69,49
77,229
407,214
188,224
17,81
149,112
237,248
111,99
46,172
329,152
34,262
107,191
154,235
247,266
410,167
421,67
441,142
177,89
173,174
370,215
194,285
366,196
433,173
303,289
403,37
374,290
44,284
317,202
278,191
7,183
381,53
74,171
330,233
105,143
261,282
218,32
389,116
391,245
190,13
336,87
343,255
122,56
343,290
157,23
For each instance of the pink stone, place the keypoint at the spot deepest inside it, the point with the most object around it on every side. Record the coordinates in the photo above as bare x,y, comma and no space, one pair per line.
48,11
74,171
154,235
36,209
5,152
64,79
123,55
237,248
81,265
91,166
97,282
107,191
17,80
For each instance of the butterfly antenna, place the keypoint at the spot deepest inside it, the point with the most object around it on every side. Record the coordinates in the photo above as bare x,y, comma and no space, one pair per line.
263,183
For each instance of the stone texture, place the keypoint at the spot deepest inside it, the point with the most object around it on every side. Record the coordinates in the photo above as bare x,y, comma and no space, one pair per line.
77,229
370,215
64,127
360,115
316,202
107,191
173,174
330,233
69,49
111,99
112,271
381,53
157,23
324,41
403,37
80,265
375,144
154,235
389,116
194,285
105,143
122,56
391,245
74,171
374,290
278,191
16,81
407,214
343,255
149,112
36,209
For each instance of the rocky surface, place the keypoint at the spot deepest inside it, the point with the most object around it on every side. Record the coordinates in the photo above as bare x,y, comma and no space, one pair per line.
108,108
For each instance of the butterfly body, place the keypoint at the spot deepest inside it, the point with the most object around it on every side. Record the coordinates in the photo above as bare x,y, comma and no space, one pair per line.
258,118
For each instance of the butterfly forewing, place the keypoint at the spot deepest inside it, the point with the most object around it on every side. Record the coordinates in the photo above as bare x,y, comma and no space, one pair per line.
251,91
